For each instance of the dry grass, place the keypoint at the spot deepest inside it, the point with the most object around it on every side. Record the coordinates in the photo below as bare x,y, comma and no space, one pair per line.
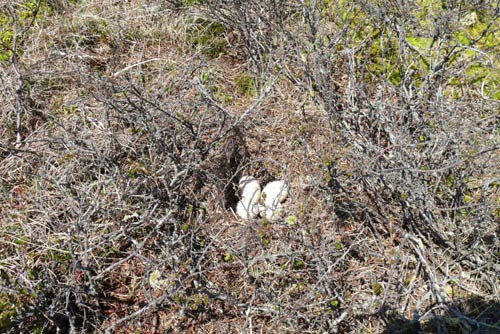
126,125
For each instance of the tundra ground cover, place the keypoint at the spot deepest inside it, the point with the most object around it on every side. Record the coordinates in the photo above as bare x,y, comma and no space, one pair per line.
126,126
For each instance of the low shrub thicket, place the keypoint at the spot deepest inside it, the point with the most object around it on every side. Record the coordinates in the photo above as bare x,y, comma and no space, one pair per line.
126,127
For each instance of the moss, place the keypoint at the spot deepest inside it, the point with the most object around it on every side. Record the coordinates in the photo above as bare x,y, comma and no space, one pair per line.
23,16
9,311
385,61
423,43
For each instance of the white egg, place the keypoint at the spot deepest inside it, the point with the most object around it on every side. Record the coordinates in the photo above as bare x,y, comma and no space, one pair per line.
247,207
273,194
249,188
247,210
271,213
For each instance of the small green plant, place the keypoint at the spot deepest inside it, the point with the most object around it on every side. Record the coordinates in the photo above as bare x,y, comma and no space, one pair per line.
334,304
197,301
377,289
291,220
229,258
298,264
188,3
338,244
91,32
138,169
208,36
245,85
